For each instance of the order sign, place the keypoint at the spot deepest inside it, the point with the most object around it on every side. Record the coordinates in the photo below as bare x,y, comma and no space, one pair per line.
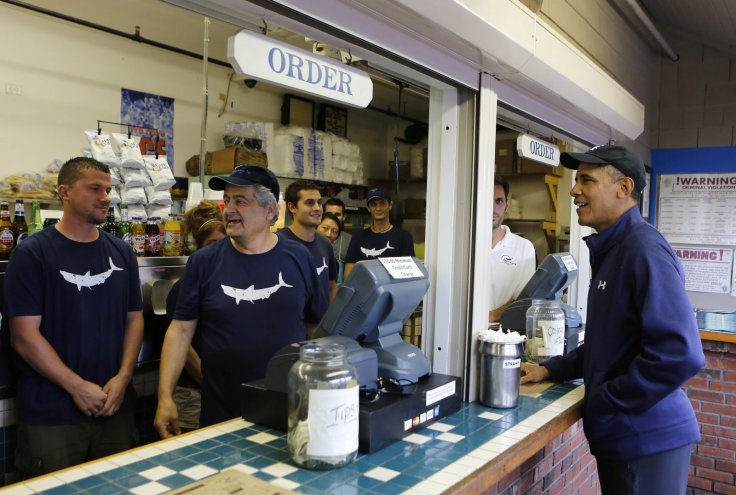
264,58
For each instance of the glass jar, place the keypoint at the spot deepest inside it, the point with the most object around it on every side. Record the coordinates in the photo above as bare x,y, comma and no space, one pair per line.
545,330
323,407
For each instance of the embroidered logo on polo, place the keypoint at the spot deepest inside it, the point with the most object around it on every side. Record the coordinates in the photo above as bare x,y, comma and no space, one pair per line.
88,280
509,260
376,252
602,284
320,269
252,294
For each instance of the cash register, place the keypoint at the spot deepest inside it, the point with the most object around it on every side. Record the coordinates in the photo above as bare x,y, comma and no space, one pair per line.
556,272
400,394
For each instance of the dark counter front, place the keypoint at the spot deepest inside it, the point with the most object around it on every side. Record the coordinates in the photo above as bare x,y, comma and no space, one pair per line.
465,452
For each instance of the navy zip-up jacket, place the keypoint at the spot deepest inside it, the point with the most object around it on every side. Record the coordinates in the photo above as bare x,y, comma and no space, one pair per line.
641,345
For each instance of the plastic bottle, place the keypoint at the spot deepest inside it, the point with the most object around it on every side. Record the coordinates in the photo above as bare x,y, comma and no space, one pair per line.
172,236
7,239
138,237
323,407
124,226
110,226
153,234
281,220
35,224
545,330
20,228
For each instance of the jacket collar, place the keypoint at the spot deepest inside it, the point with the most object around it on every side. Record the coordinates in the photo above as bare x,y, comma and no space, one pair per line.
601,242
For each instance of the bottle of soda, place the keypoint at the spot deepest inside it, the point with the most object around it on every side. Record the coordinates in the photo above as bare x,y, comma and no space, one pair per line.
20,228
138,237
110,226
7,239
35,224
172,236
124,225
153,234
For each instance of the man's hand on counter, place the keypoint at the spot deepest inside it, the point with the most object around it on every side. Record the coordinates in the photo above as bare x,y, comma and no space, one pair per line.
532,373
166,421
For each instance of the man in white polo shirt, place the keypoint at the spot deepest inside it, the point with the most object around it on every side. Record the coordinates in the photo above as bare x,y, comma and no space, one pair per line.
513,260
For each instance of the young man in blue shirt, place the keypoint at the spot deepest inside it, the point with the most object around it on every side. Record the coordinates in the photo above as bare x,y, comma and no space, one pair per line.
641,339
74,302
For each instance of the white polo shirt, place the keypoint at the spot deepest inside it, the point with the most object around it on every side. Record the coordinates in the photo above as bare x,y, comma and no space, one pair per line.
513,263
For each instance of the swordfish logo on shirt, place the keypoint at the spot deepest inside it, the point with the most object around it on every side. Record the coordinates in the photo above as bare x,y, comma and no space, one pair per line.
251,293
88,280
376,252
509,260
320,269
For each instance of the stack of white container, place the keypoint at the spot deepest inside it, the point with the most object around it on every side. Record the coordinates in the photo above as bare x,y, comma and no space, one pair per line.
140,182
301,152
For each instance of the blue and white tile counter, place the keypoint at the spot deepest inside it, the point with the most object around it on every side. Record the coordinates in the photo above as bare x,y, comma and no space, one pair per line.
466,451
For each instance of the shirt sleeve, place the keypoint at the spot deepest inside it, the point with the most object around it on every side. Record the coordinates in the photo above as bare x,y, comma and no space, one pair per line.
317,302
187,305
407,244
24,283
353,255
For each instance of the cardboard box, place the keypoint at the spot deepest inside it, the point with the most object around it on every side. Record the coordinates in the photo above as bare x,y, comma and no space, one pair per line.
404,170
526,166
506,157
223,161
414,208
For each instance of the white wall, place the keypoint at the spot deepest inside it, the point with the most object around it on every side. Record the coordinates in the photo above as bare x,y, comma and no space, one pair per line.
71,76
597,29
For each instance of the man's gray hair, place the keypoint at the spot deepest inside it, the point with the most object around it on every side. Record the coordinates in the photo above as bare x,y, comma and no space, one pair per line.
616,175
264,196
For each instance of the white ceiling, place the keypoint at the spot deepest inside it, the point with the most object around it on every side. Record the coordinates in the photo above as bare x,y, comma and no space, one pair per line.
713,22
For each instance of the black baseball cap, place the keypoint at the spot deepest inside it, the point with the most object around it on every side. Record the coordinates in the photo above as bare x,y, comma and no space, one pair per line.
378,192
247,175
625,161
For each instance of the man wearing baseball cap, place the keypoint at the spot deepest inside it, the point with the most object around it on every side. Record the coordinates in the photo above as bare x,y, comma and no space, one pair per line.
381,239
247,296
642,342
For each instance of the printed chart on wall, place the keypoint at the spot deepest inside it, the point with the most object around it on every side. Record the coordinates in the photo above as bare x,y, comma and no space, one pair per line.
696,214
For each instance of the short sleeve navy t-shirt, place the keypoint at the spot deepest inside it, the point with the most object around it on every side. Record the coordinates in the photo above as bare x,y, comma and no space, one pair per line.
368,245
83,292
323,257
247,307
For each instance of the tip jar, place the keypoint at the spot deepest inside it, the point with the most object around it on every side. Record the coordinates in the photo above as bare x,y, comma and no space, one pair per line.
323,407
545,330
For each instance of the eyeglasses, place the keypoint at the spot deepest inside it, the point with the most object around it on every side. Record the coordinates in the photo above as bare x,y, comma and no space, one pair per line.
401,387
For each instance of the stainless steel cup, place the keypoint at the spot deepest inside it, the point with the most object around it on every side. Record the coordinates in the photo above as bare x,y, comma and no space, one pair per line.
500,372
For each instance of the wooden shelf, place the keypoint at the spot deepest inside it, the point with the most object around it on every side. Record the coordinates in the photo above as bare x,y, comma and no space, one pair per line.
715,336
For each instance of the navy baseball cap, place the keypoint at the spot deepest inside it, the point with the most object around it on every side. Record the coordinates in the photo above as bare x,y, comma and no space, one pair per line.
247,175
625,161
378,192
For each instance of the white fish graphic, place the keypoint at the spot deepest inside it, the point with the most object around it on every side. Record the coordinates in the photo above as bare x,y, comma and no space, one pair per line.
88,280
376,252
251,294
320,269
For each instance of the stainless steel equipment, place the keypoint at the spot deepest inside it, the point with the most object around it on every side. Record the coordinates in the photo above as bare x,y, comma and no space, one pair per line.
158,275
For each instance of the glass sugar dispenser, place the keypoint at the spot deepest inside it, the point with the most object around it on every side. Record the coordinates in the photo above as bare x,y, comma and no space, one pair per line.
545,330
323,407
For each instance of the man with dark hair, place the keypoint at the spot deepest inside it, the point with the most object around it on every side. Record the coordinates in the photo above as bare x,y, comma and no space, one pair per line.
247,295
74,302
641,339
513,260
381,239
341,244
303,202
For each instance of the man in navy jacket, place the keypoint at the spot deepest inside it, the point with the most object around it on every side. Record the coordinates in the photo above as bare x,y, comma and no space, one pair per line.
641,341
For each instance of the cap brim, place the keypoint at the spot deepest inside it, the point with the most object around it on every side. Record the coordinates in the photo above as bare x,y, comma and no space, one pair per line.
218,183
573,160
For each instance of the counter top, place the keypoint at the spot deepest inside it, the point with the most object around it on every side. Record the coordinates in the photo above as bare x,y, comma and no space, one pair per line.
467,451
